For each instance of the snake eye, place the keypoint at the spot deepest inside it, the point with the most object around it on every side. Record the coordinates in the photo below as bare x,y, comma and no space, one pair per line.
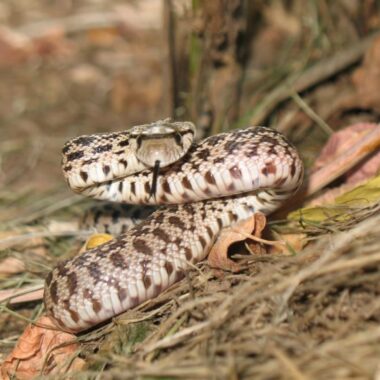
178,139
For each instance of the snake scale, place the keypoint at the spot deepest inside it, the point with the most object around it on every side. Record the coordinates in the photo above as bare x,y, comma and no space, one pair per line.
219,181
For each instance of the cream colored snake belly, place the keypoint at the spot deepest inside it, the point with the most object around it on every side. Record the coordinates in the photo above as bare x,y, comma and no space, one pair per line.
218,182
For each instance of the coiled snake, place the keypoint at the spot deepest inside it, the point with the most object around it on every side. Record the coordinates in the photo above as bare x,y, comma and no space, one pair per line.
215,183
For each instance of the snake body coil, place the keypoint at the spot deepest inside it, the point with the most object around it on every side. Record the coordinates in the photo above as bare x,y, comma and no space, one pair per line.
218,182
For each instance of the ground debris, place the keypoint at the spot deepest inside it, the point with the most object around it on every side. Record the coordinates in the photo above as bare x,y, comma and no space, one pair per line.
81,67
42,349
302,314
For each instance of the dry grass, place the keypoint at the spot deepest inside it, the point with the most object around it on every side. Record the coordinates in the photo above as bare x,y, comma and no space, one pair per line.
309,316
312,316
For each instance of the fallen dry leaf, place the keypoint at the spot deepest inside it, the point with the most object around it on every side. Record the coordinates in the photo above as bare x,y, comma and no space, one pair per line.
255,246
343,140
42,349
352,153
250,228
94,241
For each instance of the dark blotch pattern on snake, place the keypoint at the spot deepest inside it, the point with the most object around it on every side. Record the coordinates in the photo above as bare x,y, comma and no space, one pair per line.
218,182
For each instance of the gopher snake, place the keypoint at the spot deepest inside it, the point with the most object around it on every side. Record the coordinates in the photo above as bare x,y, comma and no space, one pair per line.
218,182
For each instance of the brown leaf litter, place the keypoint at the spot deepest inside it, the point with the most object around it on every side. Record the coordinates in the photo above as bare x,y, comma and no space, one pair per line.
316,314
42,349
249,228
353,154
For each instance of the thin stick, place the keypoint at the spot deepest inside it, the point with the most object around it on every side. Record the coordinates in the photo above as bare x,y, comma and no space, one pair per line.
10,241
26,294
313,116
73,24
259,240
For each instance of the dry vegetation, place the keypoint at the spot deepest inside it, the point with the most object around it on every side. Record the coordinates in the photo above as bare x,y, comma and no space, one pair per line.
307,68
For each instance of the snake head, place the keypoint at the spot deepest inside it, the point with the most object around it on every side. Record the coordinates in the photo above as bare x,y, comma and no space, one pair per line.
162,142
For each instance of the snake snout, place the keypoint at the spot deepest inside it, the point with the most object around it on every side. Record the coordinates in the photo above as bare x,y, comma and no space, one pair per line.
165,152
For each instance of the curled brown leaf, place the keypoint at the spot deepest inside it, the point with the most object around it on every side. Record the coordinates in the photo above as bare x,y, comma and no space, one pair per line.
250,228
42,350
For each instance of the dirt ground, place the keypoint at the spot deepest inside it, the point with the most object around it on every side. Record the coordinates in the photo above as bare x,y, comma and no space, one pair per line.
308,69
